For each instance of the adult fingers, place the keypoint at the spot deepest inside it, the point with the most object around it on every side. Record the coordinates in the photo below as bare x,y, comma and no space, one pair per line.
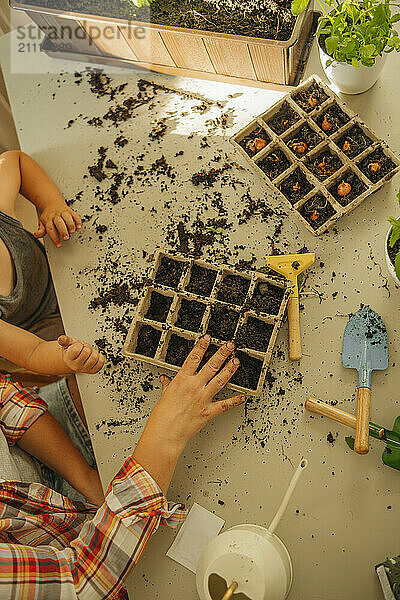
77,219
215,363
65,341
53,234
61,227
69,221
193,360
221,379
221,406
165,381
41,230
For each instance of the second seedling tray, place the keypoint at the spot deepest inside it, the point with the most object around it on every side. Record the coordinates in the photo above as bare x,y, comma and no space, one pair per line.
187,298
308,145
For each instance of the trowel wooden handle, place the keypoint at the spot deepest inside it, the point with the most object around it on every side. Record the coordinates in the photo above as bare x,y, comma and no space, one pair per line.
361,442
293,313
230,591
320,408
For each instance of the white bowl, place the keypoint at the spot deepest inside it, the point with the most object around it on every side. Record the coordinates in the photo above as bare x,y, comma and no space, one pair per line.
389,263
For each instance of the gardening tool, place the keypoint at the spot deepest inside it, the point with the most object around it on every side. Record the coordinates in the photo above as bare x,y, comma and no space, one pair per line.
248,561
290,266
391,437
365,348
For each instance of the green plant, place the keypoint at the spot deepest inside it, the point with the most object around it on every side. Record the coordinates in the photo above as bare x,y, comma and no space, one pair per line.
395,237
356,31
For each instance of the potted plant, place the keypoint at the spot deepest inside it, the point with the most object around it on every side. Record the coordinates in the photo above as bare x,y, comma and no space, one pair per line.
354,38
392,247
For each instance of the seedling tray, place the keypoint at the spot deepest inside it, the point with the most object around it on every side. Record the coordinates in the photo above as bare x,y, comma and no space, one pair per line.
186,298
307,178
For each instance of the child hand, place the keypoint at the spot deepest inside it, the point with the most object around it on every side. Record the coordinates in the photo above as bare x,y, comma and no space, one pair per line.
58,223
80,357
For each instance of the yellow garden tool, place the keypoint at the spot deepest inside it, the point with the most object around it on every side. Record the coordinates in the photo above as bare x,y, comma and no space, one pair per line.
290,266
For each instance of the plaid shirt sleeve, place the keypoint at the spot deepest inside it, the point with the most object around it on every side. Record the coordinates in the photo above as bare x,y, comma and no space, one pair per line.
97,562
19,409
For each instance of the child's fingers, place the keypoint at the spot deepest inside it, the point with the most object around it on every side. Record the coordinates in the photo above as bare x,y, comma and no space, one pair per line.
94,363
65,341
99,365
77,219
61,227
69,221
53,234
75,351
41,230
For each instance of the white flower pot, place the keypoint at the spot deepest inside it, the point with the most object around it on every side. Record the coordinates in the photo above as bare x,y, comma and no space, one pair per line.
348,79
389,263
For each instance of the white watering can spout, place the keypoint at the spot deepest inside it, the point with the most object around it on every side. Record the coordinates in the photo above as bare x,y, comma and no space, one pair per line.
289,492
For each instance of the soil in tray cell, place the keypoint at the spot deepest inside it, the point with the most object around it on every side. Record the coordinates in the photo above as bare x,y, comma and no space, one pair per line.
310,98
255,141
159,307
147,341
354,141
223,322
274,164
254,334
211,350
190,315
284,118
178,349
201,281
267,298
303,140
296,186
347,188
332,119
324,165
233,289
169,272
249,371
317,211
376,165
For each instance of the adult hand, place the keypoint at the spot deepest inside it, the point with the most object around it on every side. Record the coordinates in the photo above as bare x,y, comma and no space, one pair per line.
59,223
80,357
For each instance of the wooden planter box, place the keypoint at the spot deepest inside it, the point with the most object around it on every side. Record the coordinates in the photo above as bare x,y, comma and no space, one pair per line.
176,50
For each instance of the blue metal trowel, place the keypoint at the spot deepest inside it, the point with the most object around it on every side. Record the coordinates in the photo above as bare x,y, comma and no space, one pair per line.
365,348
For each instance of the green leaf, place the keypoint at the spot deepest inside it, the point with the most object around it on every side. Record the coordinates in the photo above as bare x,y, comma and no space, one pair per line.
391,458
397,265
398,196
395,18
350,442
298,6
395,235
355,62
331,44
368,51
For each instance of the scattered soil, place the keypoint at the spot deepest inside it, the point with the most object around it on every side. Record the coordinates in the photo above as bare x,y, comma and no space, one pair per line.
324,165
147,341
159,129
317,95
393,251
354,141
118,294
178,350
190,315
169,272
283,119
249,371
304,135
357,188
267,298
296,186
159,307
201,281
254,334
317,211
334,117
274,164
208,178
248,143
223,322
233,289
385,165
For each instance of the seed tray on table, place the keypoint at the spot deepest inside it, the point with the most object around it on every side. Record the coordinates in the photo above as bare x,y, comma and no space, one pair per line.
187,298
307,145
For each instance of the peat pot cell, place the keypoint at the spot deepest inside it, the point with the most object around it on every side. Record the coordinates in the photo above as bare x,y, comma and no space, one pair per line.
332,119
347,188
274,164
233,289
354,141
201,281
284,118
159,307
178,350
296,186
255,141
190,315
303,140
324,165
310,98
317,211
254,334
267,298
169,272
223,322
376,165
147,341
249,371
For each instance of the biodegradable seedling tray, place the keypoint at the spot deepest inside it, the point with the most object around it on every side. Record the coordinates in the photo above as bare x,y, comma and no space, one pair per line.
186,298
312,143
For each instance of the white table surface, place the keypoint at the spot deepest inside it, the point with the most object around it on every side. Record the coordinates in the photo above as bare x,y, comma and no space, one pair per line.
339,525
